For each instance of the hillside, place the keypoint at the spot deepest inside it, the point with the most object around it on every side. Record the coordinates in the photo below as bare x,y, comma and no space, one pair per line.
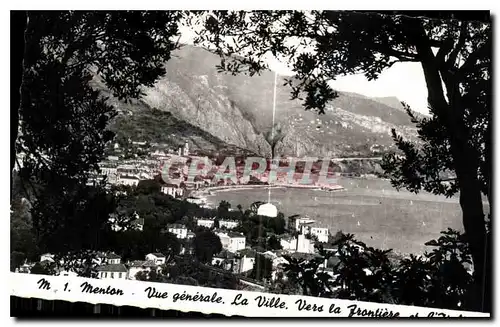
237,110
138,121
391,102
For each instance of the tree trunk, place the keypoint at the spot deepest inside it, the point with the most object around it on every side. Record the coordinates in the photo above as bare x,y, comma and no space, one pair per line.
465,163
18,22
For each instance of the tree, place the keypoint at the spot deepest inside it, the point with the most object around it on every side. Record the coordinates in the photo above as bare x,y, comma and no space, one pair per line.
274,136
262,268
223,209
455,56
22,237
273,243
206,245
63,119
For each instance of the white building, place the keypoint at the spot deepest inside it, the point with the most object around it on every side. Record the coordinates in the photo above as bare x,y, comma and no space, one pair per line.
244,261
138,265
224,260
105,258
179,230
195,200
157,258
267,209
108,171
232,242
289,244
113,271
128,180
321,233
228,224
295,222
172,190
209,223
304,245
112,259
47,257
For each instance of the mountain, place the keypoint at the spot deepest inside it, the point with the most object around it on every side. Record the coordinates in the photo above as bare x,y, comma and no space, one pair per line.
137,121
237,110
390,101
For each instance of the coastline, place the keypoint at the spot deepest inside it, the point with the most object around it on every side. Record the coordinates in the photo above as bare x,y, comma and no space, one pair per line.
209,190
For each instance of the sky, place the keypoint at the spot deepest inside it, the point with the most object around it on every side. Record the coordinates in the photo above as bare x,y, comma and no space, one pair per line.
403,80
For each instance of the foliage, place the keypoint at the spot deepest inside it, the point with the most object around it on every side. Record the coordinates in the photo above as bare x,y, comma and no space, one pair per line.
262,268
273,243
41,269
206,245
440,278
22,237
188,270
274,136
223,209
455,56
256,227
63,119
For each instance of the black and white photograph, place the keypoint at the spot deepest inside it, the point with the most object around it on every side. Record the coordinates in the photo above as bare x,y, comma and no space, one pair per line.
321,154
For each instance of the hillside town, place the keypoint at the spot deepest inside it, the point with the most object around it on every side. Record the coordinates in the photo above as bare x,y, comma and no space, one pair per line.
140,160
237,257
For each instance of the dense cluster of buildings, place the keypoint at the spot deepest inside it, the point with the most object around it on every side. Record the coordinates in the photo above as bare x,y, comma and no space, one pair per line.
175,169
236,257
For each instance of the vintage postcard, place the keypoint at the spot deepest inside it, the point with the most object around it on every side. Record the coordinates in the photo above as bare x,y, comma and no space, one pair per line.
251,163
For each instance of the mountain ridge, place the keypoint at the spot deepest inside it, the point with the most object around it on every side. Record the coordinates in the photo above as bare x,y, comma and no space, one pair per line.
238,110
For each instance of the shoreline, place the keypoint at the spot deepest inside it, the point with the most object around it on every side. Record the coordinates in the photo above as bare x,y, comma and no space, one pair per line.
208,190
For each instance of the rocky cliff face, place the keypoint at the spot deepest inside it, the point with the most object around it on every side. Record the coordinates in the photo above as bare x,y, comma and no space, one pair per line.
238,110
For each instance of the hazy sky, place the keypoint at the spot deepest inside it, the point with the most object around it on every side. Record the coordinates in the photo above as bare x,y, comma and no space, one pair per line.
403,80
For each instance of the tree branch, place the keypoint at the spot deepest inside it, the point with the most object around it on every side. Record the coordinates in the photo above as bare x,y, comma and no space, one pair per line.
461,41
474,56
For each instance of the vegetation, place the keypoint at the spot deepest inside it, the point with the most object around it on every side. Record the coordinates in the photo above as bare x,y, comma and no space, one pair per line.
206,244
63,124
440,278
62,120
456,60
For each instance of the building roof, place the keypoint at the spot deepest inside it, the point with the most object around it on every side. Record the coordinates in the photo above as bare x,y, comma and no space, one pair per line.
158,255
112,256
123,176
205,219
169,185
248,253
224,254
119,267
306,256
176,226
141,263
138,221
235,235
